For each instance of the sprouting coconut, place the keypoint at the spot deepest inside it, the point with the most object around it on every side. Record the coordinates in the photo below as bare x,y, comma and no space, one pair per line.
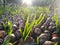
3,34
44,20
52,23
21,26
54,34
43,37
55,37
10,44
12,38
17,34
48,21
14,28
29,40
52,28
44,27
48,33
17,24
37,31
19,19
41,30
48,43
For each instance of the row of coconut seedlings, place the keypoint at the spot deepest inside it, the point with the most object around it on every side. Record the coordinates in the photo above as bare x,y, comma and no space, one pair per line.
40,31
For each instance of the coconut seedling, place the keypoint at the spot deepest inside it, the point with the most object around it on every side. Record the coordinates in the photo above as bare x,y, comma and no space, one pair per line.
48,43
9,32
2,34
43,37
27,29
12,38
29,41
10,44
56,38
37,23
54,17
56,43
46,24
30,26
18,34
14,27
40,19
4,23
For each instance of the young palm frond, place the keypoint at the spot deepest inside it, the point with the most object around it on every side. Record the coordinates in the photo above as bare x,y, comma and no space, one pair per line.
40,19
4,23
54,17
9,28
6,42
28,28
56,43
37,41
38,22
25,28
